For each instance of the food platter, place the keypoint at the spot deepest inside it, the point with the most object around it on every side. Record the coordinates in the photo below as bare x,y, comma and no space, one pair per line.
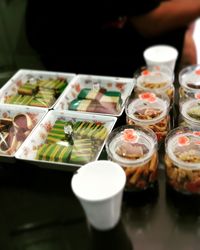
35,88
48,146
96,94
16,125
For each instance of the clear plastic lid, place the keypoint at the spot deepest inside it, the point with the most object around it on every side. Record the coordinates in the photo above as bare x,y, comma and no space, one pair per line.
131,145
156,78
147,108
189,78
183,147
190,111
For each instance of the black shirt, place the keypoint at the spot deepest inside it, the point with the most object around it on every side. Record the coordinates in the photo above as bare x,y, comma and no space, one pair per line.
71,36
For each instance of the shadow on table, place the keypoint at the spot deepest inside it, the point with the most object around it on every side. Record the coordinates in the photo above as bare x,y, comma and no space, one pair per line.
183,204
115,238
184,214
141,198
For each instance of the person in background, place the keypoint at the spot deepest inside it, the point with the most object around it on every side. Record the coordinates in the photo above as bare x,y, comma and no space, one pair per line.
105,37
189,52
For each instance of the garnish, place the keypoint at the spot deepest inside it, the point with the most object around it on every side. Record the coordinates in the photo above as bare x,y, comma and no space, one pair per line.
183,141
130,135
197,71
197,95
146,72
148,96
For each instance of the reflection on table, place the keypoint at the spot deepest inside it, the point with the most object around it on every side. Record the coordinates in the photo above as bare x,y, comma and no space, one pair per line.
39,211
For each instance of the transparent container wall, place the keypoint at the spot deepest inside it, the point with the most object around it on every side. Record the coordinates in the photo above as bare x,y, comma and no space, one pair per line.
189,79
135,150
157,79
182,160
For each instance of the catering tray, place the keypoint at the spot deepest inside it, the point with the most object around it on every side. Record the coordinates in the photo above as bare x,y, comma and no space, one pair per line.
14,91
43,134
15,127
111,85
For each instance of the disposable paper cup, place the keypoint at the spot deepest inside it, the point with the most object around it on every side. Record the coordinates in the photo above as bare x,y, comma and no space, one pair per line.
161,55
99,187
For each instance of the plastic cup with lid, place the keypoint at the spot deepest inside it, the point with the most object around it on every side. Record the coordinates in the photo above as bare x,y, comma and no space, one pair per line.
150,111
190,112
158,79
135,149
182,160
189,79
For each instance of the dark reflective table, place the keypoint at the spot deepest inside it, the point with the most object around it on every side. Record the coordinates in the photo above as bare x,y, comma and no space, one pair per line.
39,211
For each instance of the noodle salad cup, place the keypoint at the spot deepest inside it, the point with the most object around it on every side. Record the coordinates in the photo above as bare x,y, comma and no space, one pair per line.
190,112
134,148
189,79
149,111
182,160
158,79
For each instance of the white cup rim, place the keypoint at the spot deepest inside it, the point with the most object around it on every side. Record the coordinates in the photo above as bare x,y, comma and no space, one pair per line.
107,196
172,55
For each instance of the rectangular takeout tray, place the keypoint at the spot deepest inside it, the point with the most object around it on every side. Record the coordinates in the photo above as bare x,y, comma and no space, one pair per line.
124,86
21,77
29,150
16,126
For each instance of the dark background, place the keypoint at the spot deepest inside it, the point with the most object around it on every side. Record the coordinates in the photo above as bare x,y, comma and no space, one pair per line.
38,210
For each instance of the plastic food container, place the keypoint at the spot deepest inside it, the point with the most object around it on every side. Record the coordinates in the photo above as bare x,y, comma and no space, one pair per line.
16,125
182,160
66,140
35,88
96,94
158,79
151,111
135,149
190,113
189,79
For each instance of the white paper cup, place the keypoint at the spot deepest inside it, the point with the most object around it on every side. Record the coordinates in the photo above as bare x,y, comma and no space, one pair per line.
161,55
99,187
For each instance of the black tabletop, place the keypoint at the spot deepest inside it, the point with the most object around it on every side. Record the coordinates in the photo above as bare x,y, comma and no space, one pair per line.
39,211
